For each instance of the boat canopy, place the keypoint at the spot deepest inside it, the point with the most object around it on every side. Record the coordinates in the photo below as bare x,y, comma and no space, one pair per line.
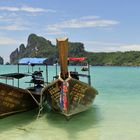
37,61
76,58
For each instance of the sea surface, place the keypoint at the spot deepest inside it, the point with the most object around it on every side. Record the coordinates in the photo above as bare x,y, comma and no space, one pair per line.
115,114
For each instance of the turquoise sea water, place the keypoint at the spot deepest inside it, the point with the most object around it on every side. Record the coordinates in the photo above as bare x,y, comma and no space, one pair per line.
115,114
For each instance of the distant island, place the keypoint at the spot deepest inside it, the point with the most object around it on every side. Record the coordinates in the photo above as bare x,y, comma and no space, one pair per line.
1,61
38,46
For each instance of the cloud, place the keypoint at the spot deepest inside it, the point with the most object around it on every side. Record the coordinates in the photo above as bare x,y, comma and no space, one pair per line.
9,41
97,46
17,24
12,22
133,47
102,43
83,22
4,19
90,17
14,27
54,31
25,9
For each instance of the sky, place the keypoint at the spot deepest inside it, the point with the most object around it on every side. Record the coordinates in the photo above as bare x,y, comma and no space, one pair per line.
102,25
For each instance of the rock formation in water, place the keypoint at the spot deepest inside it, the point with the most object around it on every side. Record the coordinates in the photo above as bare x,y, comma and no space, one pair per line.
1,61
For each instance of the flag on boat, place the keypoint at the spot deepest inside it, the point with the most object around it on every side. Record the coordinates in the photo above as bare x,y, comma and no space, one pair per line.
76,58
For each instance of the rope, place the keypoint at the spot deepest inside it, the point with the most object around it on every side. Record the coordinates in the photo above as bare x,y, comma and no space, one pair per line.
66,79
38,103
33,97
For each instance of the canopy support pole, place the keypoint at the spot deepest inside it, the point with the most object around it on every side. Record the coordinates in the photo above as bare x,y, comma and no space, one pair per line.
47,73
18,72
89,78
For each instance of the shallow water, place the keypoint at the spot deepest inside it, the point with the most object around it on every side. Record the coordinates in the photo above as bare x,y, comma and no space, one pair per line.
115,114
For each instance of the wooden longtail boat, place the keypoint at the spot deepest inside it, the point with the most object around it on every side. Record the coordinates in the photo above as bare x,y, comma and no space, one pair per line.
67,94
14,99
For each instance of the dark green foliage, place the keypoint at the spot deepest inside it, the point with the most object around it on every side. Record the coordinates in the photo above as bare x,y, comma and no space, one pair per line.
131,58
76,49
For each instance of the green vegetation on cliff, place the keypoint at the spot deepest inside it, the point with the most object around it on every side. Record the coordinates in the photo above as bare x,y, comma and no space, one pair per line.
36,47
131,58
40,47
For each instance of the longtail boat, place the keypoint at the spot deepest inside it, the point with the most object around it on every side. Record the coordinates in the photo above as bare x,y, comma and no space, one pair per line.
15,99
67,94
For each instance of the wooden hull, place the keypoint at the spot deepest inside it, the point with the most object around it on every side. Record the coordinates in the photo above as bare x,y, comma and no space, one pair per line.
69,97
14,100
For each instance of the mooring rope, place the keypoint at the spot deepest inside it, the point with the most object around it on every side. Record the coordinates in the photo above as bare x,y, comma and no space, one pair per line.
38,103
33,97
60,78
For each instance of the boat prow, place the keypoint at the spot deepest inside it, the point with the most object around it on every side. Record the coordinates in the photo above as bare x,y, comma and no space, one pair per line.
69,96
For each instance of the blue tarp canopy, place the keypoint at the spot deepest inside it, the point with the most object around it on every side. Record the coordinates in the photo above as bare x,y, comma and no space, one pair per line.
37,61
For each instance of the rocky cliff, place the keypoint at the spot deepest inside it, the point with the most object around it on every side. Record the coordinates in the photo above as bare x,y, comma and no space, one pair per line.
1,61
40,47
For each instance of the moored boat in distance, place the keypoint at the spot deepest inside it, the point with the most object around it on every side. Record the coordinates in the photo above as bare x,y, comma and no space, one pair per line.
84,68
14,99
67,94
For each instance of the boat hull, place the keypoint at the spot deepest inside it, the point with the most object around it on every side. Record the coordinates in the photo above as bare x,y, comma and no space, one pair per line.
14,100
69,97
